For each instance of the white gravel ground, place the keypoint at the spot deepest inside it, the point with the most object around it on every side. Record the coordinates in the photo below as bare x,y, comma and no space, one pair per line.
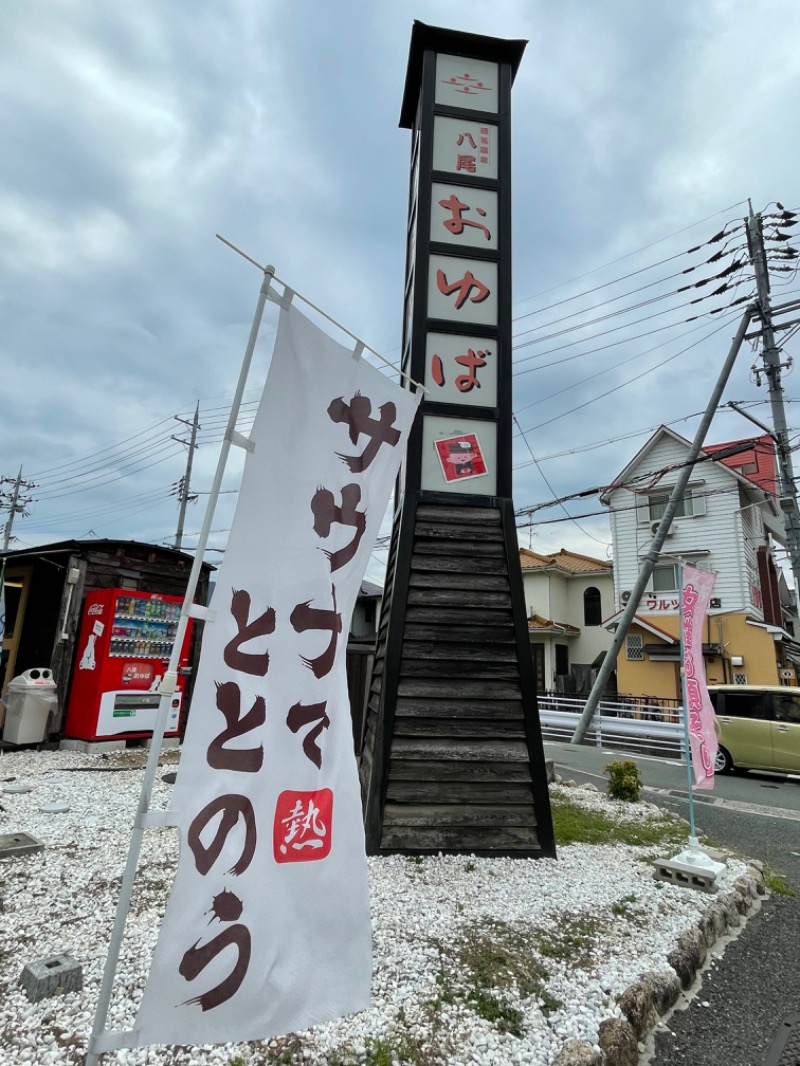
590,923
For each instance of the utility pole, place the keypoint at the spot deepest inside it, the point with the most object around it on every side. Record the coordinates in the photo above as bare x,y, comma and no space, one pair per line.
185,482
650,560
16,506
772,369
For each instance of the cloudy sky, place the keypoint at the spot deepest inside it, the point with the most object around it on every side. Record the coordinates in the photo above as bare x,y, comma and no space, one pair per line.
131,134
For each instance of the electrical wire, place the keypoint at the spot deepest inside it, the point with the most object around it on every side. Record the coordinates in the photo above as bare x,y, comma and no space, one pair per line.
549,486
630,381
628,255
735,266
614,366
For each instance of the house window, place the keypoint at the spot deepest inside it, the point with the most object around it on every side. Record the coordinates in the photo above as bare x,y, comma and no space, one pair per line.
634,646
562,659
592,614
691,503
739,679
665,578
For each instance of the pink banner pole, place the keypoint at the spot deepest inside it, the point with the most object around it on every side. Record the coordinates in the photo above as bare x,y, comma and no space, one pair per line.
693,841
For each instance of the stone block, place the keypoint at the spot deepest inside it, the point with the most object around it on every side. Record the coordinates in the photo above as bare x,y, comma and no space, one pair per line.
675,873
12,845
618,1042
664,988
693,943
91,747
636,1003
714,923
51,977
577,1053
684,966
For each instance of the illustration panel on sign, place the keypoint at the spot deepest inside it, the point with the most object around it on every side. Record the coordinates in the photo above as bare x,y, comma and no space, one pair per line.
461,457
464,147
439,463
470,83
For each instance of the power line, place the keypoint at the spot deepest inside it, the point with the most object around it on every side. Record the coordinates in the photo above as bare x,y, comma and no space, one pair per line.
727,272
614,366
630,381
636,251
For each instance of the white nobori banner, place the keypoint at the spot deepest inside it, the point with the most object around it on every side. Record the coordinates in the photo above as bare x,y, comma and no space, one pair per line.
267,929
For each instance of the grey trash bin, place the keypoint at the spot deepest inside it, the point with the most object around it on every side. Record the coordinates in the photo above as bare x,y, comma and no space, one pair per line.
30,702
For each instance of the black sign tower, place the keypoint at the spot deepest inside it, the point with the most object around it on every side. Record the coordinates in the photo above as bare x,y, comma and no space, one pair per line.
452,756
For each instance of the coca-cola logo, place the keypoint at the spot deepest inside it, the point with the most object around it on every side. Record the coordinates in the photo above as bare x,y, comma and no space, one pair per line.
96,608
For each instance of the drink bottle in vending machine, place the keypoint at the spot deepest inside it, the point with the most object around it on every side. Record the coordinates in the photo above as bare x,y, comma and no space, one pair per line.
124,646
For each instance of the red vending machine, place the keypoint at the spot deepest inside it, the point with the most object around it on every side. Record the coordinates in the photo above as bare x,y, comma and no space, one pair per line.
124,647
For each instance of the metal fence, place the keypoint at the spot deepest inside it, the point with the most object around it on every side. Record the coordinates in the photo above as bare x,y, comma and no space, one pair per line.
631,725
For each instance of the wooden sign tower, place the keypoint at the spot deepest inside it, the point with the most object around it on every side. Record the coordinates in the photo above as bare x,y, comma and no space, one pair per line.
452,756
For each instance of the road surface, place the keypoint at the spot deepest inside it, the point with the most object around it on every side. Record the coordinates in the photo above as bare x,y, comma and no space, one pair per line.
744,995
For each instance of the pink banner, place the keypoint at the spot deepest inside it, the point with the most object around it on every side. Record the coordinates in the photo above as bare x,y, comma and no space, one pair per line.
696,586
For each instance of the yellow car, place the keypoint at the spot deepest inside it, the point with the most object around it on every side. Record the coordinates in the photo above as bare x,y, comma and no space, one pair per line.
758,727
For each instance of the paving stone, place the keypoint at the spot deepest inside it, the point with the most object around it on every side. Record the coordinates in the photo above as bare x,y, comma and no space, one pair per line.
51,977
12,845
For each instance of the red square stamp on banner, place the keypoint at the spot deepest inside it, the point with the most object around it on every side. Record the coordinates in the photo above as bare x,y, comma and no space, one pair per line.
302,828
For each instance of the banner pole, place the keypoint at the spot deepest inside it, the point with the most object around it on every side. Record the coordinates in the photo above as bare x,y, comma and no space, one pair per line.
691,868
693,841
2,604
167,690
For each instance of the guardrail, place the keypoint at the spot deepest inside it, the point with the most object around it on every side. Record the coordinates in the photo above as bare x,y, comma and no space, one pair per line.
641,729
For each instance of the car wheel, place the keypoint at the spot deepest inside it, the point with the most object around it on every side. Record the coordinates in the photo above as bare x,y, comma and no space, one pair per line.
723,763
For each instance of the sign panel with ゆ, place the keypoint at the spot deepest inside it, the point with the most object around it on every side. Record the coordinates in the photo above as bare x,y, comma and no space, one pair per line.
462,290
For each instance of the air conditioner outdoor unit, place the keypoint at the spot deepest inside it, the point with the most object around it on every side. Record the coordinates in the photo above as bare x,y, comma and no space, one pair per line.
787,674
670,531
624,596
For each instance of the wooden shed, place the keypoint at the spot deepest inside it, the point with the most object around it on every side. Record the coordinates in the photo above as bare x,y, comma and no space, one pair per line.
45,588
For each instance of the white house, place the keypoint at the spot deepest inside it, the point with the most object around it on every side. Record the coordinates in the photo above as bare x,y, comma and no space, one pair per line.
728,522
567,596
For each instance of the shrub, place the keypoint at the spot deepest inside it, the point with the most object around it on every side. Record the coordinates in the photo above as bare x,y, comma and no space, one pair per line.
624,780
